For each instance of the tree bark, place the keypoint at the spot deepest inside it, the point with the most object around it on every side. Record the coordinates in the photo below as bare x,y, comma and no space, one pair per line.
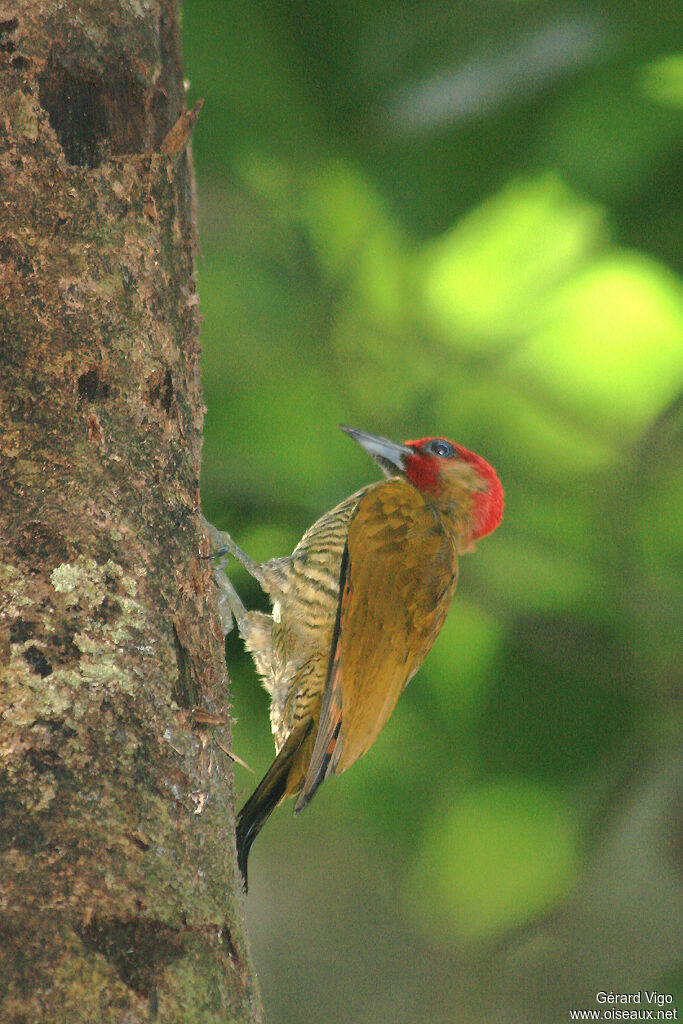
119,894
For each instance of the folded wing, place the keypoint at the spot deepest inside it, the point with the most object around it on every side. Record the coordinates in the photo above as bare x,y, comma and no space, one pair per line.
398,576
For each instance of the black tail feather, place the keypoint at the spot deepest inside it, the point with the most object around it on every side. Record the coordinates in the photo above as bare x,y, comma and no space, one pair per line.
265,799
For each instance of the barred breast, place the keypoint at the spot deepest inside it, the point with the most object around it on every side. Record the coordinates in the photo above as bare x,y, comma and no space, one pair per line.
304,589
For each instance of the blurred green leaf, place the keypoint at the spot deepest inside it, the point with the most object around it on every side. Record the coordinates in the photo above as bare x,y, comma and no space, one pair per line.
461,661
496,858
662,80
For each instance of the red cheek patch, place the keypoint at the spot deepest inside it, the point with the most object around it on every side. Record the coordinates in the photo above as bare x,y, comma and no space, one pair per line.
423,472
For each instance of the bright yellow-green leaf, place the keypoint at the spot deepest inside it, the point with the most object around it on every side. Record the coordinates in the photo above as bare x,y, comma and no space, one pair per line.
489,276
612,348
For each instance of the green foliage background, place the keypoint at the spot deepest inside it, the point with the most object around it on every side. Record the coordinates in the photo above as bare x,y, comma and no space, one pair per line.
463,220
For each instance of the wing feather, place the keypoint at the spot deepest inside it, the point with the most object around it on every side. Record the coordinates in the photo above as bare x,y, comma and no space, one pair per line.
398,576
329,723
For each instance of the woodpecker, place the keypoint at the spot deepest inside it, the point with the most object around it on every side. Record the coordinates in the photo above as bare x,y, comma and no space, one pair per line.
355,609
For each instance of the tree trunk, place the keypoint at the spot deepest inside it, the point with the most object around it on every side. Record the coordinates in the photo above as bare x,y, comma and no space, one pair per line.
119,894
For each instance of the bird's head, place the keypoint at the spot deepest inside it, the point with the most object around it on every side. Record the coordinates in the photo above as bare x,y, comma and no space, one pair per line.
441,469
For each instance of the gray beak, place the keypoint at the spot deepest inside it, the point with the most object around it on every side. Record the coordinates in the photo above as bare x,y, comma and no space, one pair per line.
389,455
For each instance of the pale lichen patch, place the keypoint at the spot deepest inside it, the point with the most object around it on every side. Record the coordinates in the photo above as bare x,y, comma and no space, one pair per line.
105,672
89,580
101,639
23,115
47,698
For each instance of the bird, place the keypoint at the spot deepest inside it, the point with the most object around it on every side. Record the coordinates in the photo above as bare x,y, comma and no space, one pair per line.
355,609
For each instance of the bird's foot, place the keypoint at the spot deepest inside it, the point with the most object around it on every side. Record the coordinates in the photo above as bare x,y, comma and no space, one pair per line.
225,545
230,607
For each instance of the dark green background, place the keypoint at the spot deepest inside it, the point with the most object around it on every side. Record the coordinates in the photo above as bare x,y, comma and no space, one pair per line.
462,219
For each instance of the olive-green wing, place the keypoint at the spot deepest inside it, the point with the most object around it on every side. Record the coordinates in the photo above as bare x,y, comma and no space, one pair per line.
397,579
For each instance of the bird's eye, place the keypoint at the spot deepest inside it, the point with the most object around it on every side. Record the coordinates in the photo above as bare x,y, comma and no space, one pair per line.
441,448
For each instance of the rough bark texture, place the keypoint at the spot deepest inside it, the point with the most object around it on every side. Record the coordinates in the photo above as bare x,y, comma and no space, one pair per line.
119,895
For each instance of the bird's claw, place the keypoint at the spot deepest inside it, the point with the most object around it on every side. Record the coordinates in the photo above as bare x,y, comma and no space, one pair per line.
220,540
230,607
